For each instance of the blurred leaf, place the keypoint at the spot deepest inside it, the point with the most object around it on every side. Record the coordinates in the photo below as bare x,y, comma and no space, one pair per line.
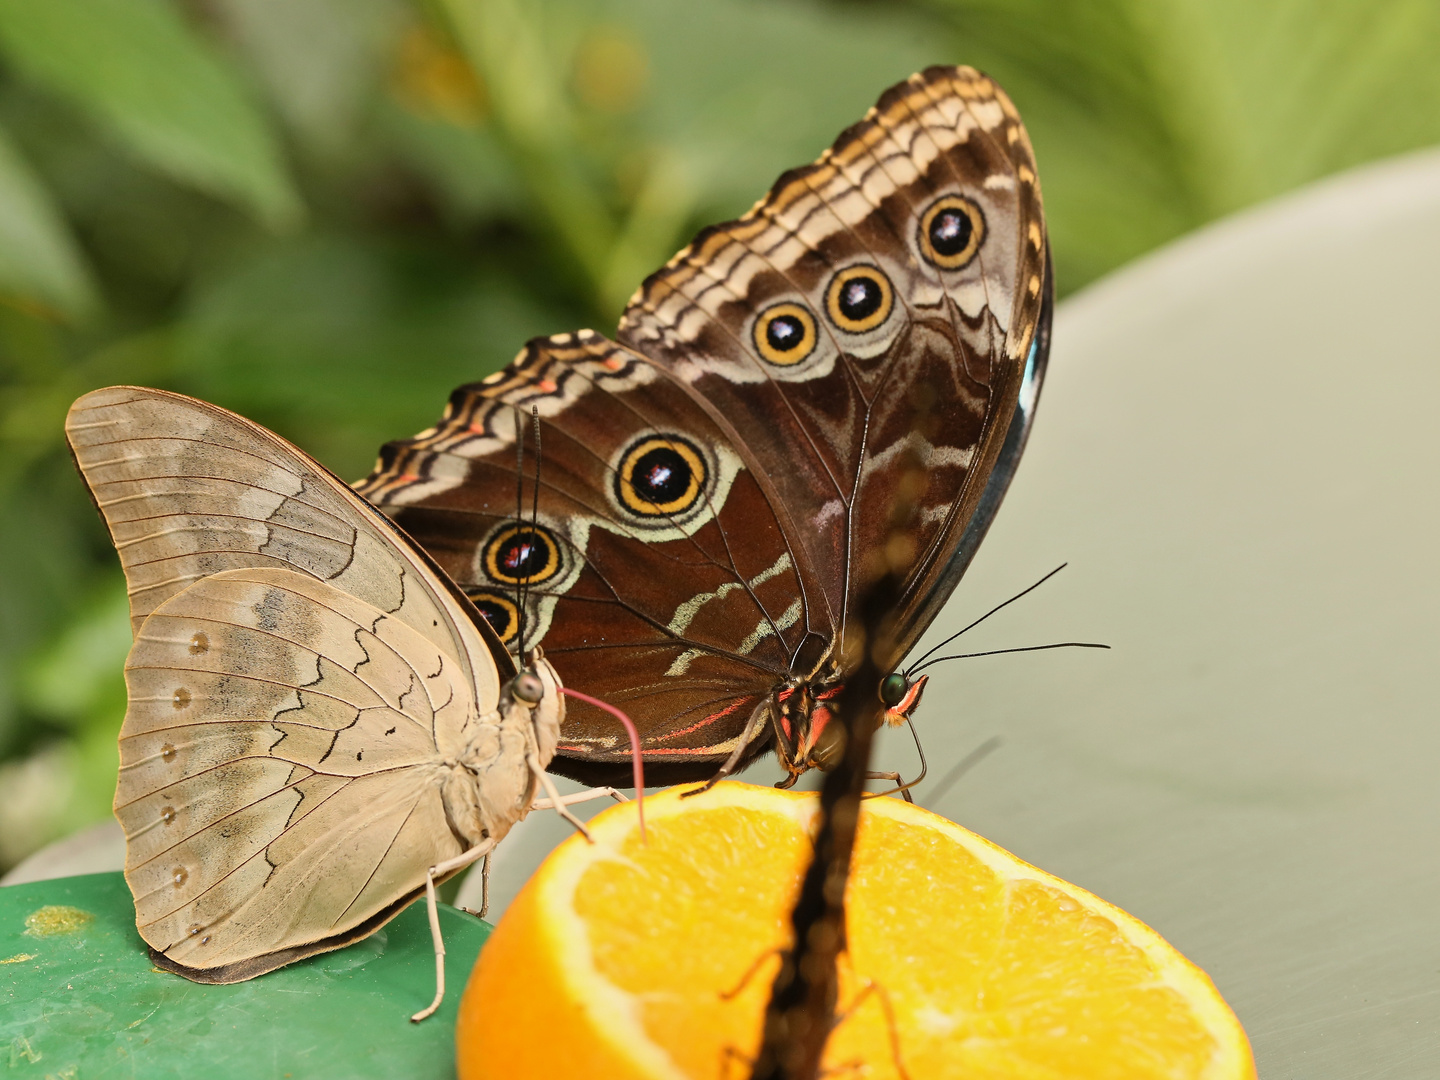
135,65
1152,117
319,59
39,261
78,681
341,344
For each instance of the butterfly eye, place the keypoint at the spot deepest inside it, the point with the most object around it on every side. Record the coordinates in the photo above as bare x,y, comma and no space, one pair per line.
785,334
522,554
859,299
892,690
951,232
499,611
527,687
660,476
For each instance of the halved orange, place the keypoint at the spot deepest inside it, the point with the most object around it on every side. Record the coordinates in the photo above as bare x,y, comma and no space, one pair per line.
623,959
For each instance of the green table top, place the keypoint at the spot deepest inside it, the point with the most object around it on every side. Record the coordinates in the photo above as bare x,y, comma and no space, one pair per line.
80,999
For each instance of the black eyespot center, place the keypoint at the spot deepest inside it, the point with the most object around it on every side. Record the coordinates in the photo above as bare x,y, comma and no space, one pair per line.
785,332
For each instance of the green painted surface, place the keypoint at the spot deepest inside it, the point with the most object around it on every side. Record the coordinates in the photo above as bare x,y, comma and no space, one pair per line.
80,1000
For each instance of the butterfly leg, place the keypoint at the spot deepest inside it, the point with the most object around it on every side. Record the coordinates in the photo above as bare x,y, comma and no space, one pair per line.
752,728
439,870
558,803
484,890
894,778
581,796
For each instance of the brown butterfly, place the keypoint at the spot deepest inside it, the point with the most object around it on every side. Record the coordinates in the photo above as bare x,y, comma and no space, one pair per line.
717,481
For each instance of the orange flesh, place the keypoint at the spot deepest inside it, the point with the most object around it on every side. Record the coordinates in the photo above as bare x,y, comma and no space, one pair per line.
625,959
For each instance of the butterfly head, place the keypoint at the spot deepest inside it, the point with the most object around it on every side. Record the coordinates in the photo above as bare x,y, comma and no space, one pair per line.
808,732
901,696
536,689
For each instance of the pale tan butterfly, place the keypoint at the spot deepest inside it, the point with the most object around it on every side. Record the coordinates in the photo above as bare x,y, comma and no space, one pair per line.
320,725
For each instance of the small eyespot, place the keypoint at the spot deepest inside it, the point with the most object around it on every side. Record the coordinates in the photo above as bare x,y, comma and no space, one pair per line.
951,232
527,687
859,299
179,876
200,643
499,611
167,752
660,476
181,698
522,554
167,815
194,929
892,689
785,334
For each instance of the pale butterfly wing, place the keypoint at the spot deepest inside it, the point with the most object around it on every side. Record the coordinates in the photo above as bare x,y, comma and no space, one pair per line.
281,784
314,719
189,489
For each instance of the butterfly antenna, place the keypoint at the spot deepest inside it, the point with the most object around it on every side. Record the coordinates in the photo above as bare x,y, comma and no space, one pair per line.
1023,592
998,652
519,523
534,516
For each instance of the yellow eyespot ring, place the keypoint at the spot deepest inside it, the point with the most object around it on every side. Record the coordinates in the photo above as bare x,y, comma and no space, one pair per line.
785,334
951,232
661,476
859,299
499,611
510,561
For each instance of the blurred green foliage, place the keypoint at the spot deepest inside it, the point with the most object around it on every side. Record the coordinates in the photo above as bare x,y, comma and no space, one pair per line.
326,213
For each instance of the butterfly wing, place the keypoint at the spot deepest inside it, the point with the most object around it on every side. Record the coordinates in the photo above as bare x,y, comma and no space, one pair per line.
188,489
655,536
876,312
826,344
280,779
305,694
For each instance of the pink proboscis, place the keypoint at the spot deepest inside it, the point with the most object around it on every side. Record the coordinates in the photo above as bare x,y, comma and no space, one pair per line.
636,764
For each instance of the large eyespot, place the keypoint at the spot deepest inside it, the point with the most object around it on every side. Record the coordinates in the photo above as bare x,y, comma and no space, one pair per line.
951,232
785,334
499,611
522,554
859,299
661,476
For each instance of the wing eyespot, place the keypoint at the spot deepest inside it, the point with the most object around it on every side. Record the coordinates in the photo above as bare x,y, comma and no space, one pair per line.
859,299
167,753
178,876
785,334
951,232
200,643
180,699
522,554
661,476
497,610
